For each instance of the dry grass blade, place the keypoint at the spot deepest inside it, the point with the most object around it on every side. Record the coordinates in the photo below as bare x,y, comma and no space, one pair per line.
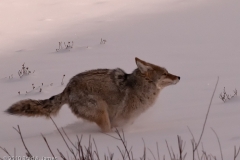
144,151
70,149
174,157
122,139
81,149
158,151
236,152
193,145
88,149
152,154
96,149
218,143
181,148
79,140
169,150
122,154
110,155
132,155
47,145
69,139
19,132
4,150
61,155
112,136
14,152
197,144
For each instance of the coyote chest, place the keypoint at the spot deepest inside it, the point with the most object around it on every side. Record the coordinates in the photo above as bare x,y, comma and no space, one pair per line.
133,104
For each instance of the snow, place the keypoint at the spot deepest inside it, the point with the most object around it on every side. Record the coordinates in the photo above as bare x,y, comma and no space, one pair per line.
197,40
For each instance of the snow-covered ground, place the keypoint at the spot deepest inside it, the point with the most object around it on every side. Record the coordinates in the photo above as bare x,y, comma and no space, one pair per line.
198,40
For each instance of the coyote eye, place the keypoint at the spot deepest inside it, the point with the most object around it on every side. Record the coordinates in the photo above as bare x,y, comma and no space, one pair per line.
164,74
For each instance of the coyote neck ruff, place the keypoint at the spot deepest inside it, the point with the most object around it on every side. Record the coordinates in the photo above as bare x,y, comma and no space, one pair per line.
108,97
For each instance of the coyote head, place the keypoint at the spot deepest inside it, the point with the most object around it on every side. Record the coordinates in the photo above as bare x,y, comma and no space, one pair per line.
157,75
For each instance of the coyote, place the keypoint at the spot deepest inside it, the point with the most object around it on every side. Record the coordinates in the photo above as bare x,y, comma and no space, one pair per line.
108,97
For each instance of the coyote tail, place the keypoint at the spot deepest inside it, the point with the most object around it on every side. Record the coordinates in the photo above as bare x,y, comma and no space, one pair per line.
32,108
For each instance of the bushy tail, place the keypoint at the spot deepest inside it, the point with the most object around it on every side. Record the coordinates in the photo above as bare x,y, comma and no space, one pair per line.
33,108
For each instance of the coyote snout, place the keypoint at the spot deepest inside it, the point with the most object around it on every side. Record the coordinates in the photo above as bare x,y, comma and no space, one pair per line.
167,79
108,97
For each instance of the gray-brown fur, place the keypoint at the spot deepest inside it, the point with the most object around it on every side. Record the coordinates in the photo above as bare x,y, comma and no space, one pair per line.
108,97
32,108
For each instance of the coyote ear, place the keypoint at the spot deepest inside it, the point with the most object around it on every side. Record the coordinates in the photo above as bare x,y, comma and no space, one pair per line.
142,66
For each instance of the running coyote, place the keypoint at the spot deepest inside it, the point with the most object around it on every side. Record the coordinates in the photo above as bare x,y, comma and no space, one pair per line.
108,97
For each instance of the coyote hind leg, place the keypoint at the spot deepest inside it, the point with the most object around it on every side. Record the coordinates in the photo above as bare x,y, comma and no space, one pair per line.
103,121
93,110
